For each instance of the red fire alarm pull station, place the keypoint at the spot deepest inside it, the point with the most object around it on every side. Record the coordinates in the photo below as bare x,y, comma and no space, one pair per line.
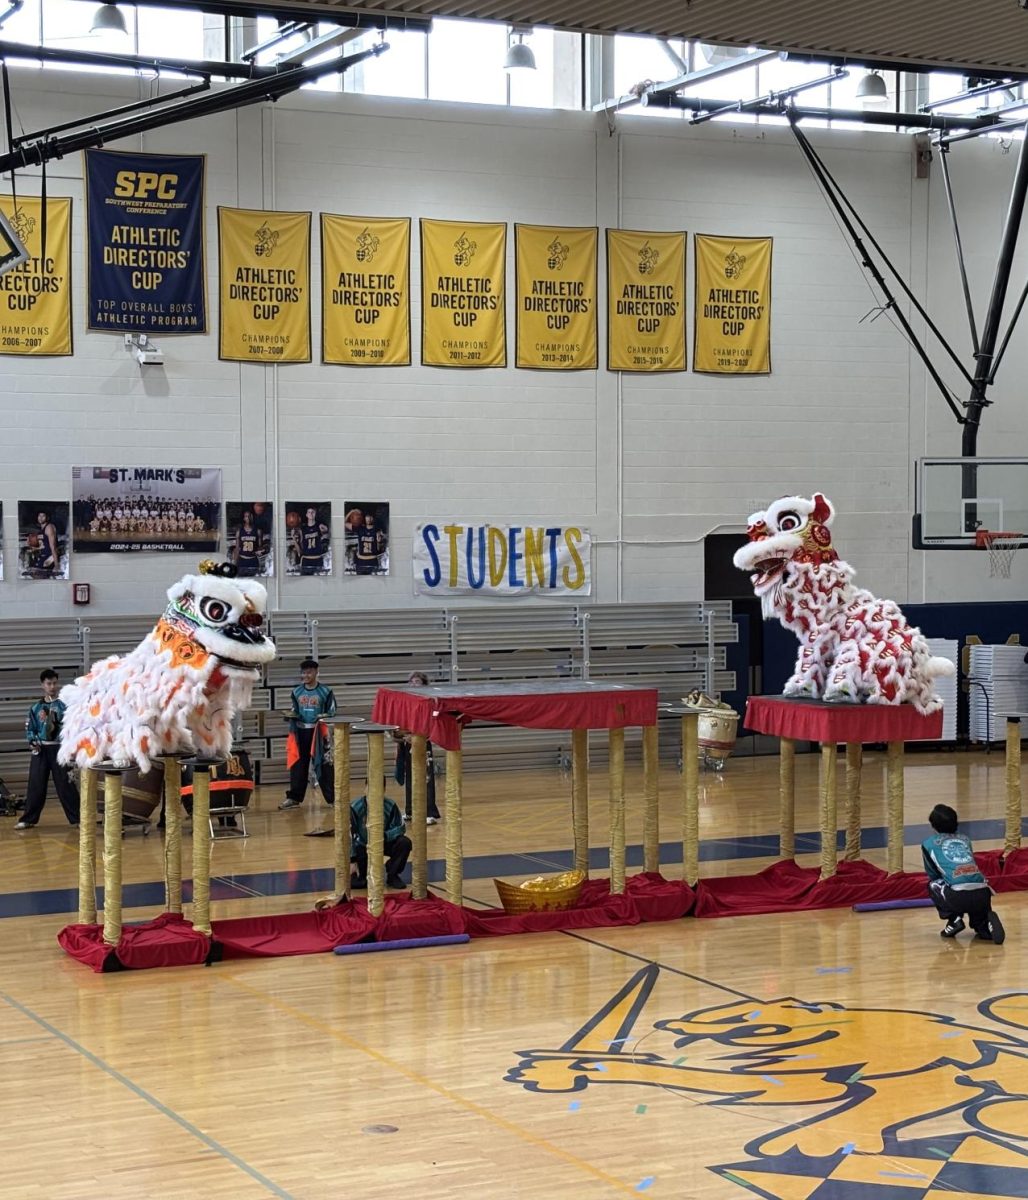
80,593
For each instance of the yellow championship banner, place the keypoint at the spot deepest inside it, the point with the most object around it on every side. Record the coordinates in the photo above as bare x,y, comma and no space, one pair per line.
645,301
463,322
556,297
365,291
265,306
733,306
35,297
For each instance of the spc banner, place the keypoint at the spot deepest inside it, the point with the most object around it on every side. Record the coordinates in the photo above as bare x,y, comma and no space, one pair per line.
733,306
556,297
365,291
645,301
463,318
145,242
265,260
145,508
460,558
35,297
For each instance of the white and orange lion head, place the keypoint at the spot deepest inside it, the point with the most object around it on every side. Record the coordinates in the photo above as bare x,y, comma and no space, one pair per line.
179,690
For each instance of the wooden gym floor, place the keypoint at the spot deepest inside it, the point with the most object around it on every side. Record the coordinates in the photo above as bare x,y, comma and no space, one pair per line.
818,1055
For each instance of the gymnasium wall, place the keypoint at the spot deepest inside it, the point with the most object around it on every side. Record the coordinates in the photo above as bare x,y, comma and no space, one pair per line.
650,464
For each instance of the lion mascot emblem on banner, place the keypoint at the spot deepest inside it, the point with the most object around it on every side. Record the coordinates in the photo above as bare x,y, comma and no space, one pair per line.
853,647
178,691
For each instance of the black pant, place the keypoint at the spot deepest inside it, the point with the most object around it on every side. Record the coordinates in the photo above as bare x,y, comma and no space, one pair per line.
398,851
976,903
299,772
44,764
403,762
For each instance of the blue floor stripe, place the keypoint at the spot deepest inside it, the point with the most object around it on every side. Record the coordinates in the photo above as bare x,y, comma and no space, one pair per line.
477,866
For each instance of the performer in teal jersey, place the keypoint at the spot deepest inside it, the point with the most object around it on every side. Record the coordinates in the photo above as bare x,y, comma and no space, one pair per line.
395,843
308,740
955,883
42,732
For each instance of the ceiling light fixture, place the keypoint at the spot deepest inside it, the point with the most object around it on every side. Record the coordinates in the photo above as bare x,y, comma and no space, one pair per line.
109,18
519,56
872,90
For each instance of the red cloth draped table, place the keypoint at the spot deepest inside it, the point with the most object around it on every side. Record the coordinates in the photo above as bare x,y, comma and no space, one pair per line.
795,719
439,713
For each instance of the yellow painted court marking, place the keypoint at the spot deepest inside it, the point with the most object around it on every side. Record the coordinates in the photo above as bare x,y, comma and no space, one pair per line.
415,1076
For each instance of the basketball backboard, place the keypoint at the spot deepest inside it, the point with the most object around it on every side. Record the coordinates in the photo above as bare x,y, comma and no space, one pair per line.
954,498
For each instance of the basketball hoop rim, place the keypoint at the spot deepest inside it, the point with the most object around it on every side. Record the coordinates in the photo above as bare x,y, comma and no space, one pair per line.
984,539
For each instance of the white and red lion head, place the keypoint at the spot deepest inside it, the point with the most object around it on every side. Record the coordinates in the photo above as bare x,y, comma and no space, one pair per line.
179,690
853,646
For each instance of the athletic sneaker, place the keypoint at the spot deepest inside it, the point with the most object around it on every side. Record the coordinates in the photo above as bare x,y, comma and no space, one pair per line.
996,929
289,802
24,825
431,820
358,883
394,881
953,926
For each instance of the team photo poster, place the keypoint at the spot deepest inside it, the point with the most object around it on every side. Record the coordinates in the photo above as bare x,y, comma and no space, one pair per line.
43,539
146,508
249,530
308,537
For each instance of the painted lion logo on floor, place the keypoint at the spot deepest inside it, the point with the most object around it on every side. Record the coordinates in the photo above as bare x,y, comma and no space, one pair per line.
873,1075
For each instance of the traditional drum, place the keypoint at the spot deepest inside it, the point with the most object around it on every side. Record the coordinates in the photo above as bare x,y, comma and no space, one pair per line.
231,783
717,728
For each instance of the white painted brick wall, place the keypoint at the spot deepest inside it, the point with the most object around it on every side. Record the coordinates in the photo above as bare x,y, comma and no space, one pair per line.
846,409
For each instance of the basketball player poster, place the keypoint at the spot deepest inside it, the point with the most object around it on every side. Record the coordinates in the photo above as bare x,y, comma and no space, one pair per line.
124,509
43,539
250,531
308,537
367,538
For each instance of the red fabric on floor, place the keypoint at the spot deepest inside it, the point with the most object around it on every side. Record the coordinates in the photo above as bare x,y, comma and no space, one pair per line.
406,918
564,706
787,887
167,941
315,932
1006,873
816,721
647,897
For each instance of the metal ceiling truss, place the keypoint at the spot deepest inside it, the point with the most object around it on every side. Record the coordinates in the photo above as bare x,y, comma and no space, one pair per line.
988,349
270,83
259,83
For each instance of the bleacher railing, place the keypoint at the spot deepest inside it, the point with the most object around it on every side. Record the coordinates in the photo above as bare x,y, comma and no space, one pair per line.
675,648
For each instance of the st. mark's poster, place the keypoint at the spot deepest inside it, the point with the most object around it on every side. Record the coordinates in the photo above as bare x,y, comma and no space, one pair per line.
145,508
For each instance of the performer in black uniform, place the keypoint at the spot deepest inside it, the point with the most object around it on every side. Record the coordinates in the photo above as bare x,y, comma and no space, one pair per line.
247,556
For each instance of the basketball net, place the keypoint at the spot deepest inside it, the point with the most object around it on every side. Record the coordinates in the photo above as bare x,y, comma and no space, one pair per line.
1001,547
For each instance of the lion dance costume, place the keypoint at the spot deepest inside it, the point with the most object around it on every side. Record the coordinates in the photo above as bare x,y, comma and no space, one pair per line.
179,690
853,646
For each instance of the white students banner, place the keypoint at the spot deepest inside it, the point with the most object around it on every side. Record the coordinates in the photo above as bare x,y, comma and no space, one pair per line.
467,558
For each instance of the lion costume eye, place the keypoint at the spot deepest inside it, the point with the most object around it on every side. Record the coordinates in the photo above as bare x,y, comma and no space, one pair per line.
788,521
214,610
